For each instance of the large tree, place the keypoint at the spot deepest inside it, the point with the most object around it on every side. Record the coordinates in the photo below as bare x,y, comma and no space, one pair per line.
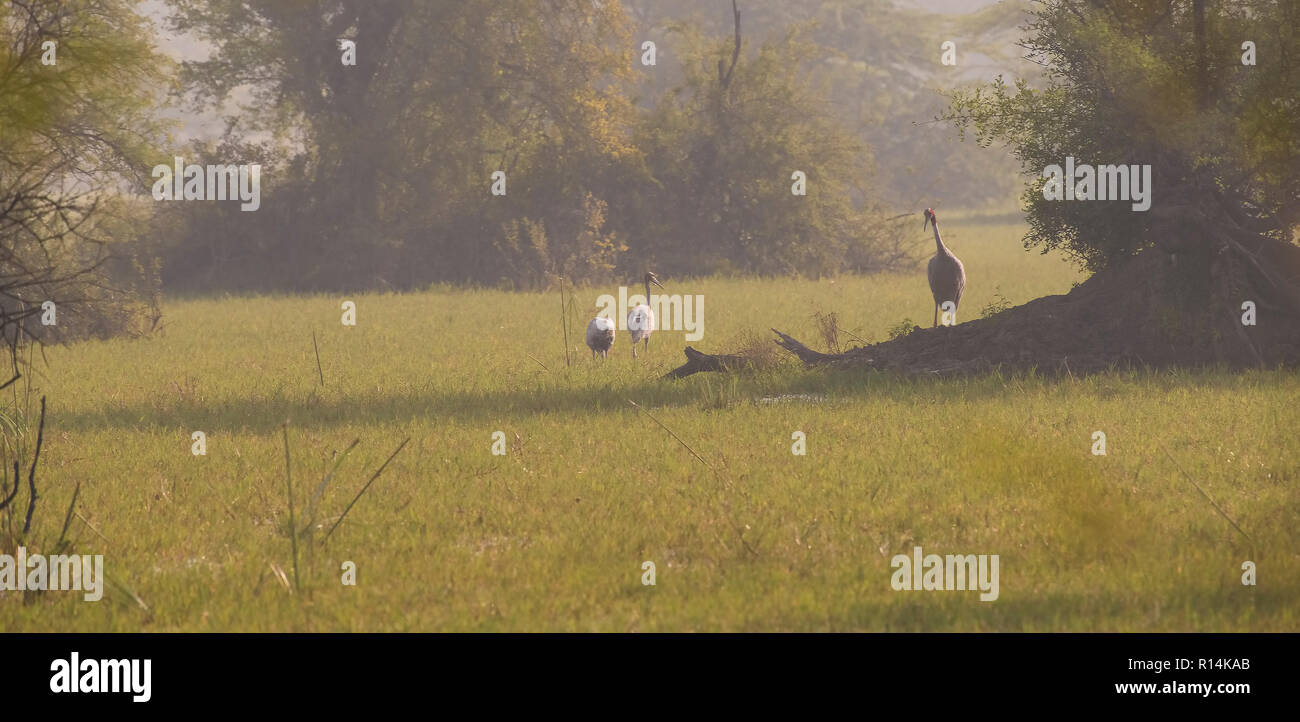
880,64
79,83
723,149
1210,273
1158,82
382,169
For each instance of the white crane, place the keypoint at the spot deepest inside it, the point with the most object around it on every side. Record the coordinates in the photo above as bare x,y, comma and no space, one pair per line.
946,272
600,336
641,319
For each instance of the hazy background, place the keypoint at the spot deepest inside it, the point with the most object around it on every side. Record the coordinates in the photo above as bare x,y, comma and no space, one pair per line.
921,161
362,192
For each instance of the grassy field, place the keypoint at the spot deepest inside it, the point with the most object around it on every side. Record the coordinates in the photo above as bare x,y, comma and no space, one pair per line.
552,535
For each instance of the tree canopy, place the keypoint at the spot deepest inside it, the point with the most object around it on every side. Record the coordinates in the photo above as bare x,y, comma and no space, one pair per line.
382,170
80,83
1169,83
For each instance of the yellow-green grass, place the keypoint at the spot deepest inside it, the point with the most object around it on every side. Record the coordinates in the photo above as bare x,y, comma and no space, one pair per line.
552,535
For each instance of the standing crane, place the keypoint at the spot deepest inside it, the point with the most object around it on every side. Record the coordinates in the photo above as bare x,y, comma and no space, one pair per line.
641,319
600,336
946,272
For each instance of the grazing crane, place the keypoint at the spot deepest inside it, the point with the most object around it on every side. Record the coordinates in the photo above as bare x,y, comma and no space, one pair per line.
946,272
600,336
641,320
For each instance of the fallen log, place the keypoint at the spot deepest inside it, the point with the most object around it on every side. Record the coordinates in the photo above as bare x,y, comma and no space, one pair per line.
805,354
697,361
881,357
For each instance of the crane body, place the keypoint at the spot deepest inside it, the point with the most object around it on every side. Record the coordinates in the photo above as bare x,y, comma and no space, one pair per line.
946,272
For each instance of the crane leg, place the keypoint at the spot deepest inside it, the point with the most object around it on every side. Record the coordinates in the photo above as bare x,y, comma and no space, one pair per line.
936,316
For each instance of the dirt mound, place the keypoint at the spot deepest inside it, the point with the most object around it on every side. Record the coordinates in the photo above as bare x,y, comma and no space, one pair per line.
1159,309
1162,308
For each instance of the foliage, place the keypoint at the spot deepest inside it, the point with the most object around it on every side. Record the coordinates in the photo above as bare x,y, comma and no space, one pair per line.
880,65
723,157
1156,82
77,123
383,169
901,329
996,306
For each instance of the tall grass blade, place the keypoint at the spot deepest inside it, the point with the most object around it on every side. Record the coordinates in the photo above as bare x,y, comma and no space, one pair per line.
363,490
293,525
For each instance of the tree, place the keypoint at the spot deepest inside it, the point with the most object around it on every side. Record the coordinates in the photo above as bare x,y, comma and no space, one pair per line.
78,85
1157,82
723,150
1187,284
880,67
385,166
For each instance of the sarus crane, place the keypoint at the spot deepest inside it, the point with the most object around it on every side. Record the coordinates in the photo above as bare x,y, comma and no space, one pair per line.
641,319
946,272
600,336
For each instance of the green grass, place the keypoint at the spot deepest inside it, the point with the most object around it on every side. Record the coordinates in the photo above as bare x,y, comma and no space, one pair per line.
552,535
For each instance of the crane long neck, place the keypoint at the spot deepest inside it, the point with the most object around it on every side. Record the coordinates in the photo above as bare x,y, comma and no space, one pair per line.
938,242
647,293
